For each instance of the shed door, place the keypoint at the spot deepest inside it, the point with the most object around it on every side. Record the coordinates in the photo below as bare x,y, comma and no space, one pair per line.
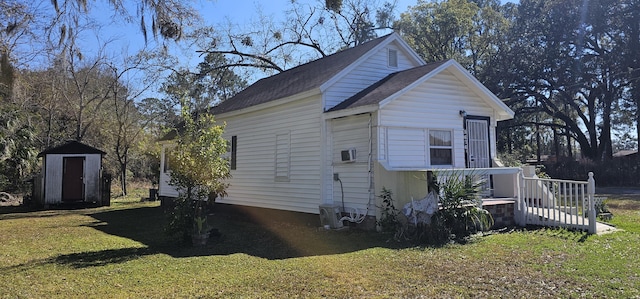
73,179
478,155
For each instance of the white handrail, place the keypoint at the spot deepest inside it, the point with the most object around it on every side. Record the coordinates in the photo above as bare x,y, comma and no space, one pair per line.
563,203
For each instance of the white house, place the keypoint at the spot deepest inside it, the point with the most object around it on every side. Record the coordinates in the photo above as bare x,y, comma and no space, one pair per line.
336,130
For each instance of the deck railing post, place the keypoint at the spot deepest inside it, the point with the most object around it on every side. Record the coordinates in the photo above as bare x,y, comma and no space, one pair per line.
591,190
522,207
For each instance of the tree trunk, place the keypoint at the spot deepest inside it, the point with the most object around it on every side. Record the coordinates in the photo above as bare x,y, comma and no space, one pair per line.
538,142
123,179
569,147
606,146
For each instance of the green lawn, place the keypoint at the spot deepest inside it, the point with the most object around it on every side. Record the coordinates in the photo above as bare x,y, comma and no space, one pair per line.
120,251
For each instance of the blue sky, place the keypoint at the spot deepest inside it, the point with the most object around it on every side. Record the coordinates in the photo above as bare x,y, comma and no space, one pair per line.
129,37
126,37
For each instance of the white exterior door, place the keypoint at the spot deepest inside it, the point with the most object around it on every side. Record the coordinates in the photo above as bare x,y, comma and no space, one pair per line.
478,155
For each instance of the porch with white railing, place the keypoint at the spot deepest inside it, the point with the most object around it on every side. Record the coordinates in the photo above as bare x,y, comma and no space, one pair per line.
539,201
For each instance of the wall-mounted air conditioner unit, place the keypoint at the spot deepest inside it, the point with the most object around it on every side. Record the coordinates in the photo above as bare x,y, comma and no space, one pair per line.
348,155
330,215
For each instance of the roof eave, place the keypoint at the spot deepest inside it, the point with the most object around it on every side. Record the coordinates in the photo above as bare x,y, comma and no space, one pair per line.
351,111
278,102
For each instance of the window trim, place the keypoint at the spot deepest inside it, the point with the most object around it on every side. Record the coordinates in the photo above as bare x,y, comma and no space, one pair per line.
430,147
395,58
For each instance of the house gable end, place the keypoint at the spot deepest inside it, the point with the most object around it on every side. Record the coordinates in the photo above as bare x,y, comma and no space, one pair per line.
466,80
429,107
368,69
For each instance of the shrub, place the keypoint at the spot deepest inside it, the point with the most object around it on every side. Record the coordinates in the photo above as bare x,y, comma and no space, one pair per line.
388,221
459,215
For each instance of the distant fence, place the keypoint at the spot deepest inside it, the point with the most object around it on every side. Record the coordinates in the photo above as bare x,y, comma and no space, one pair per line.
615,172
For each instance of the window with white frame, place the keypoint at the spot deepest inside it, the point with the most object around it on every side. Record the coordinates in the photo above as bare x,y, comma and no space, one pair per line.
440,147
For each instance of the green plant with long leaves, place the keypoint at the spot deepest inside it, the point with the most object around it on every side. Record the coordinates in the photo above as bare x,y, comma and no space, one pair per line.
460,214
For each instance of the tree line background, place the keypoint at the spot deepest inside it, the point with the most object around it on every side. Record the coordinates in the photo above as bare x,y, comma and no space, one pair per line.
570,69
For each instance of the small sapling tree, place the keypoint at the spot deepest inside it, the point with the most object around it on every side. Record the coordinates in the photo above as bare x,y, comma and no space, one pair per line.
198,170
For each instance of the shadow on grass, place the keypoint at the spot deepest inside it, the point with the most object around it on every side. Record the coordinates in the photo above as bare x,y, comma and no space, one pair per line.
101,258
258,233
26,211
259,236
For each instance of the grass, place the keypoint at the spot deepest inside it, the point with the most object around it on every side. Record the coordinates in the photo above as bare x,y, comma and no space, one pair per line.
120,251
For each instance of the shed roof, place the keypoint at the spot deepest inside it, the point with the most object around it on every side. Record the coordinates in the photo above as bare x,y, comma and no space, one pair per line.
72,147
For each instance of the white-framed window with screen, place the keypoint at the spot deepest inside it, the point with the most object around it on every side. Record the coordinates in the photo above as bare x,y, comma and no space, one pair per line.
283,157
440,148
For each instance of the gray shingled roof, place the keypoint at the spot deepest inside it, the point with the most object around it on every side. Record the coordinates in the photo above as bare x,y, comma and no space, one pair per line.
299,79
386,87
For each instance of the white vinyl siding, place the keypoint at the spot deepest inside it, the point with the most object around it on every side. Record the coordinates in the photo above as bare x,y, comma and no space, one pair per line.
365,74
164,189
407,147
435,104
351,132
252,183
283,143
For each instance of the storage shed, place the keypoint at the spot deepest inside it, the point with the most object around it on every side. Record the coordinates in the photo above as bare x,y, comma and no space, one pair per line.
71,173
